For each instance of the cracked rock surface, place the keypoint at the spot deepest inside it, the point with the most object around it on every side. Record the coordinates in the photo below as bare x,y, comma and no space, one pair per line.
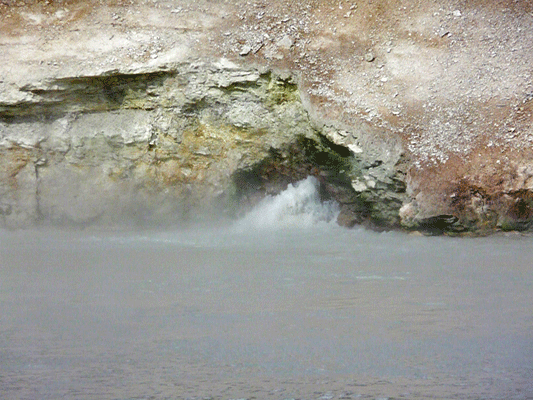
413,114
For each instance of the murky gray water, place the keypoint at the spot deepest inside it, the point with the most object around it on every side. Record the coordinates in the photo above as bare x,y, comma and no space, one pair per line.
309,311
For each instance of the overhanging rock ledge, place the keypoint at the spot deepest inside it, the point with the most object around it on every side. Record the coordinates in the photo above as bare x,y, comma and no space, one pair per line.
413,117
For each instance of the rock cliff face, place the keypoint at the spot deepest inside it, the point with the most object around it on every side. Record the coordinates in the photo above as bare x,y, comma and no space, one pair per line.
158,111
195,137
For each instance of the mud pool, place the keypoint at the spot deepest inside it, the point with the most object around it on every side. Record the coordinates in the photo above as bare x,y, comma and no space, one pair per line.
282,304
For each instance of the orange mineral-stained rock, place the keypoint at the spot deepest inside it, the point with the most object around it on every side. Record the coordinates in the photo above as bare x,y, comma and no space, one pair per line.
414,115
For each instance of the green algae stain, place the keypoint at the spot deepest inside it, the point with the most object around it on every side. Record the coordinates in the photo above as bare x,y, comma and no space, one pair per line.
281,91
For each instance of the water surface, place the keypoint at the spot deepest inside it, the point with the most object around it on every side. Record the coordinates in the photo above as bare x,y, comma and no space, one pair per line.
282,304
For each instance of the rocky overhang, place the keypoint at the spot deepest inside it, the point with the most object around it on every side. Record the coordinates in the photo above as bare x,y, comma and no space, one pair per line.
413,116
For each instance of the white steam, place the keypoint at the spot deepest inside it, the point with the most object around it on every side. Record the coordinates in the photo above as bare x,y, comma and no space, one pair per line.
297,206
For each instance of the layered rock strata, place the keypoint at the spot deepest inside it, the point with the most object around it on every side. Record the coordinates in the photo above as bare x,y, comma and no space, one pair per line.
162,145
415,116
